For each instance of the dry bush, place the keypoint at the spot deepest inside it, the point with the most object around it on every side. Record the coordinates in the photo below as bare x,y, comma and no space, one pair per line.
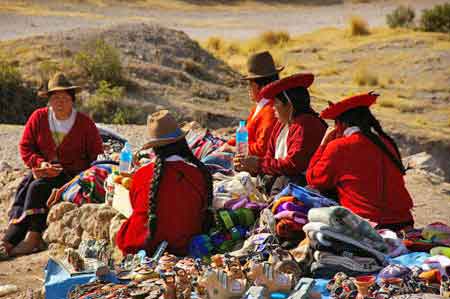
362,76
436,19
402,16
215,44
358,26
387,103
273,38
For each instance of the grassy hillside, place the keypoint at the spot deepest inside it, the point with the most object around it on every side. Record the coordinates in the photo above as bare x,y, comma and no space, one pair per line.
411,71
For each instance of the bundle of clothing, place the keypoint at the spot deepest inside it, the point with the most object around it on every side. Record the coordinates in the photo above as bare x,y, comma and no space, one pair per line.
290,209
338,240
424,239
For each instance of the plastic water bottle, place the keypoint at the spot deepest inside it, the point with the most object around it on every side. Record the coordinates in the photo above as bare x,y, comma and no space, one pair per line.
242,139
126,157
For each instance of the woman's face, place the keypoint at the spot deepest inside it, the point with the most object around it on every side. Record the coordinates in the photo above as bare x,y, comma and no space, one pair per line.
61,102
283,111
253,90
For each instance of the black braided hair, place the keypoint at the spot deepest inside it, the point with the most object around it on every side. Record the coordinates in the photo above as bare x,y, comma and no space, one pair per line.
301,101
366,121
179,148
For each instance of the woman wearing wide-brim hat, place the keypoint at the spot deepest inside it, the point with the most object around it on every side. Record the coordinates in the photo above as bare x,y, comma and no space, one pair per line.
57,143
261,72
295,137
169,196
363,164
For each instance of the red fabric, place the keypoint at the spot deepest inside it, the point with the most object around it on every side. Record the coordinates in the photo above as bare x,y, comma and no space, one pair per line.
274,88
259,130
182,202
305,134
79,148
334,110
367,181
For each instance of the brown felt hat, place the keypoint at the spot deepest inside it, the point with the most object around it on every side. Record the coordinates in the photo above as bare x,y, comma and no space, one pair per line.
58,82
162,129
260,65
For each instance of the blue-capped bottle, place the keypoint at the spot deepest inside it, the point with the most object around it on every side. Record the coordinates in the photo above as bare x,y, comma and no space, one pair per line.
126,158
242,139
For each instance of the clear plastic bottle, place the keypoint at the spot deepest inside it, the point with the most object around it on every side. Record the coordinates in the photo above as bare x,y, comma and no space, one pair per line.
242,139
126,158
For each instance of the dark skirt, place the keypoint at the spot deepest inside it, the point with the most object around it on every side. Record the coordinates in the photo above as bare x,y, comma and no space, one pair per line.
32,195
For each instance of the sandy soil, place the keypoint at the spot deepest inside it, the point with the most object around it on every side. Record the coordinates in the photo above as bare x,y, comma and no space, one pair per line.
28,18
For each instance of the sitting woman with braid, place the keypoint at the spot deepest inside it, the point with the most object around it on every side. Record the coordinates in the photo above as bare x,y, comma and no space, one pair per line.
170,196
363,164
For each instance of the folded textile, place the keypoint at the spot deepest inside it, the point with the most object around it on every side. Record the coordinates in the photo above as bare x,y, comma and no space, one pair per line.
437,232
291,206
341,220
321,233
327,265
287,228
394,243
308,197
298,217
411,259
244,202
441,251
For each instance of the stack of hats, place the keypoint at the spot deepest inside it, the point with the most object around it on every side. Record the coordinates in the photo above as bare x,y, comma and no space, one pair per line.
341,241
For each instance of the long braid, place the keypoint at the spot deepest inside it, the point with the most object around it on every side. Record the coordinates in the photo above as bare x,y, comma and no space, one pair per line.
363,118
377,127
158,171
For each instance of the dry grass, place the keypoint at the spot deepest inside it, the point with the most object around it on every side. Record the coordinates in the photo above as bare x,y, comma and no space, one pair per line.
274,38
358,26
364,77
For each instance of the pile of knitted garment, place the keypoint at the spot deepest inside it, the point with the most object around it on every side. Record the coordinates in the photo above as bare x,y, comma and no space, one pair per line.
341,241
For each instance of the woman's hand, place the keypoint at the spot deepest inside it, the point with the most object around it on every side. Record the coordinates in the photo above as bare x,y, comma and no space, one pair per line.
246,163
227,148
47,170
330,135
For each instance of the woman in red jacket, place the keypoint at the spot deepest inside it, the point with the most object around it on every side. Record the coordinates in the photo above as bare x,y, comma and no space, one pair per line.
363,164
170,196
294,139
57,143
260,122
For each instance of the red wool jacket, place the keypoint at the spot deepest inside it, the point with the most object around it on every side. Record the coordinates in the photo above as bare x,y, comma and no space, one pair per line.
78,149
182,202
305,134
367,181
259,130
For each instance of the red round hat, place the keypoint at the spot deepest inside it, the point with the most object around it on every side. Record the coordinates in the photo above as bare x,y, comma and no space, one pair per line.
274,88
361,100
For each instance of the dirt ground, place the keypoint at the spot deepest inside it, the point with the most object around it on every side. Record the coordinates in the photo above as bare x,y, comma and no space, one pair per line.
20,18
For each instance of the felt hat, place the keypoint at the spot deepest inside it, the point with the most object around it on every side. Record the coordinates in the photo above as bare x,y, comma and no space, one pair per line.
162,129
260,65
58,82
361,100
299,80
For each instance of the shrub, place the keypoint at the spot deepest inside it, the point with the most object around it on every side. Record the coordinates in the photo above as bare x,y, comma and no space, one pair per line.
402,16
17,101
106,105
215,44
46,69
273,38
358,26
436,19
101,62
362,76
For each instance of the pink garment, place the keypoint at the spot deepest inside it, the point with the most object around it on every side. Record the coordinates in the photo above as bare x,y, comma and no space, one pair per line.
298,217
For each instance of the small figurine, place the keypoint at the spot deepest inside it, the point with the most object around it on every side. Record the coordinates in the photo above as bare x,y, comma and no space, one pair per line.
445,287
183,284
74,259
166,263
170,290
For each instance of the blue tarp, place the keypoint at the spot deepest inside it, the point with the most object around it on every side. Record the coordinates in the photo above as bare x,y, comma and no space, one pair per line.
58,281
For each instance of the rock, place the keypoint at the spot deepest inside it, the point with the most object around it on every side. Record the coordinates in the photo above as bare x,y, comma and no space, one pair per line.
114,226
4,166
59,210
425,162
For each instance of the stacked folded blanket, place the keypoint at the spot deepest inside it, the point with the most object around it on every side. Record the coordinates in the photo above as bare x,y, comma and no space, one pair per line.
341,241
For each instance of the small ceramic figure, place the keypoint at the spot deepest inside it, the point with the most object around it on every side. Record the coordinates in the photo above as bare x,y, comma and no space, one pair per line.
74,259
166,263
363,283
170,291
445,287
183,284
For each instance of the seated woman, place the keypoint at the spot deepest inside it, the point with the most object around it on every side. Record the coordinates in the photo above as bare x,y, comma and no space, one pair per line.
57,143
260,122
295,137
363,164
170,196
